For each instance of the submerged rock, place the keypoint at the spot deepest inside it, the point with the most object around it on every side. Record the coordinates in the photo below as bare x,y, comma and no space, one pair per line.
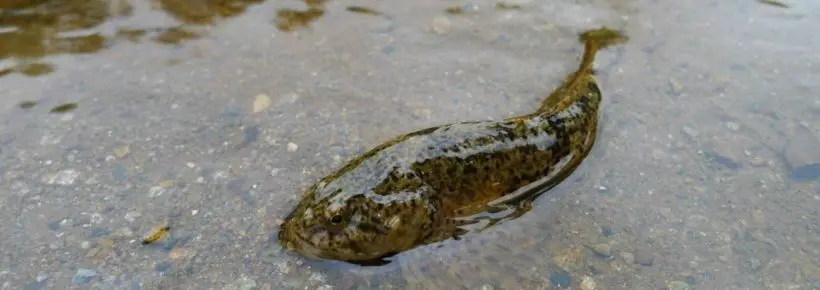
83,276
802,153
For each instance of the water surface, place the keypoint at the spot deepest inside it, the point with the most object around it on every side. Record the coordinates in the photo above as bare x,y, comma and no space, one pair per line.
214,115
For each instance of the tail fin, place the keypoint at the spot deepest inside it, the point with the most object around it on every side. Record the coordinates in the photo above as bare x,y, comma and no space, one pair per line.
575,83
596,40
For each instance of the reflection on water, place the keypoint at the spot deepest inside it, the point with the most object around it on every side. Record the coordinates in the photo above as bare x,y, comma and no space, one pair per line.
30,30
291,19
59,109
774,3
27,105
362,10
455,10
64,108
204,11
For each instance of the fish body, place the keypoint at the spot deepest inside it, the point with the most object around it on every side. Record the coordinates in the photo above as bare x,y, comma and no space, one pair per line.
436,183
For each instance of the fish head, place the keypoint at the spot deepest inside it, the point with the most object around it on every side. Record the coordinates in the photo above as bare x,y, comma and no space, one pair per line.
357,226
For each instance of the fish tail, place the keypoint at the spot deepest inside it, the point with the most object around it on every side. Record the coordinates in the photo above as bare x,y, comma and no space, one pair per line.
595,40
576,82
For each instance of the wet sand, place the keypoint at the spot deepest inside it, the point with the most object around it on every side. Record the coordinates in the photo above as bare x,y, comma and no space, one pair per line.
215,118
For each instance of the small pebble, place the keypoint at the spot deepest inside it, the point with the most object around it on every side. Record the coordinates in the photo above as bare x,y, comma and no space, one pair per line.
41,278
178,253
732,126
603,250
274,172
118,172
644,257
123,233
675,86
261,102
251,134
243,283
83,276
55,224
422,113
131,216
96,218
388,49
677,285
93,252
587,283
753,263
156,191
724,159
162,267
665,212
757,161
693,264
658,154
560,279
65,177
689,279
166,183
690,132
606,231
122,151
28,286
292,147
441,25
801,155
696,220
759,217
99,232
628,257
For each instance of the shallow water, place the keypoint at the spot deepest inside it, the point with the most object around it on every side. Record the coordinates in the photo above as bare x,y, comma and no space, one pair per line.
215,117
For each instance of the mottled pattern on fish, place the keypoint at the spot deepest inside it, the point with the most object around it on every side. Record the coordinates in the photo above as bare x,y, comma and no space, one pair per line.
434,183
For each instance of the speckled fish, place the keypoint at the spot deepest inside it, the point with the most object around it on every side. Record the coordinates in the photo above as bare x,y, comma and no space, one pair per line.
442,182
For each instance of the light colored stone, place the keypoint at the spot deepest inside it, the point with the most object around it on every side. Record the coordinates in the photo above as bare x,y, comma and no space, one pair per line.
732,126
802,155
261,103
588,283
441,25
120,152
628,257
292,147
675,86
65,177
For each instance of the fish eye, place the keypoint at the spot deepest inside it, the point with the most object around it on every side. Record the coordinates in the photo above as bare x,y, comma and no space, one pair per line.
336,220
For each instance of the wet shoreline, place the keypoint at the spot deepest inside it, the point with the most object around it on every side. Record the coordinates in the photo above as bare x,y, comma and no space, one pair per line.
215,119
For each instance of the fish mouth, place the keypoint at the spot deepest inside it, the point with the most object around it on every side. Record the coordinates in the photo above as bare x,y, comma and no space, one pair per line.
297,242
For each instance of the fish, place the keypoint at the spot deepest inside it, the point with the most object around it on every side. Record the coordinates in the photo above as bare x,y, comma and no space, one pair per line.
442,182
